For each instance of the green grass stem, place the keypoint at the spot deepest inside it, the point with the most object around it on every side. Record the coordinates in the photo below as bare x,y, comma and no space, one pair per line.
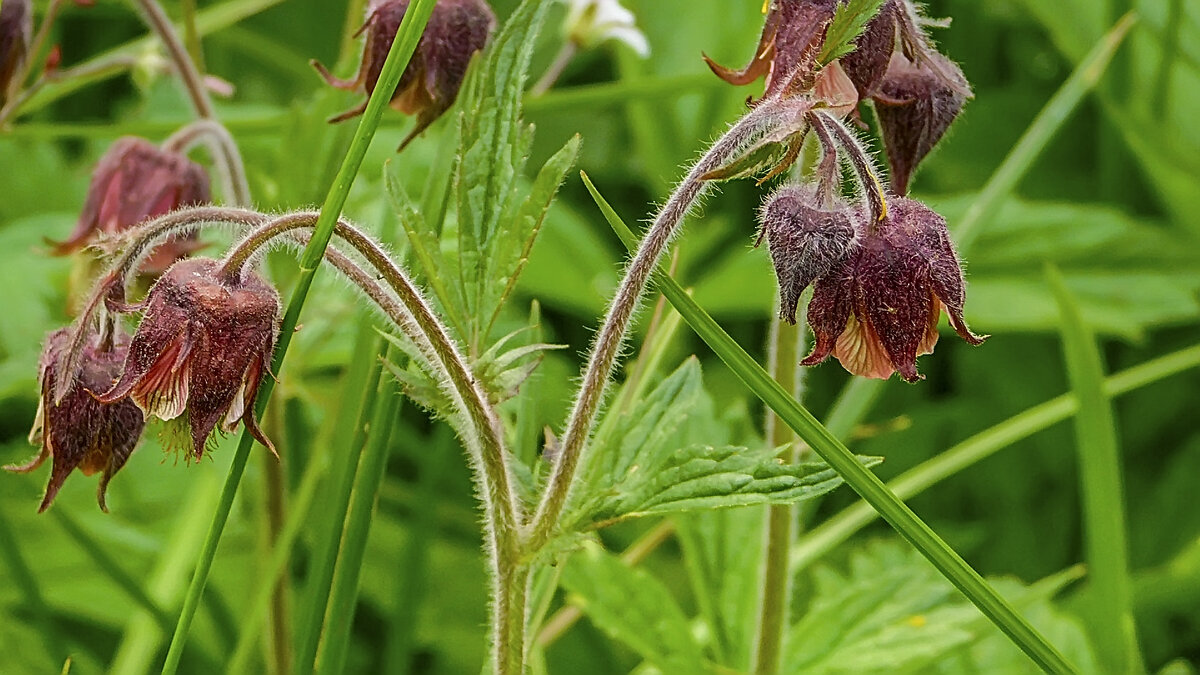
1110,593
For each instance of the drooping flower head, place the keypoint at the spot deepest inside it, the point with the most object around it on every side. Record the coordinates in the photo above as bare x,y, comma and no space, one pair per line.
916,103
457,29
201,350
80,432
806,239
134,181
16,27
878,310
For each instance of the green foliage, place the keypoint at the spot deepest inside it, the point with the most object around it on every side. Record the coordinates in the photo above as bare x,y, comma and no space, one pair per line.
849,22
494,221
633,607
890,611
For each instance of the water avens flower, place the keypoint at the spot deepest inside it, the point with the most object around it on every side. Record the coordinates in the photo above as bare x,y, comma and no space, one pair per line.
80,432
456,30
134,181
592,22
201,350
878,310
916,103
16,28
806,239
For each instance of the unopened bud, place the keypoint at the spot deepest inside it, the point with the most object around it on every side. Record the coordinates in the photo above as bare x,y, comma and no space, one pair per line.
806,240
133,182
457,29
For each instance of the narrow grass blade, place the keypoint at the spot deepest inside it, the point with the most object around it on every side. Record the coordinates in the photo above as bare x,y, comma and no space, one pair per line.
1110,592
865,483
841,527
299,513
402,50
339,616
1038,135
334,508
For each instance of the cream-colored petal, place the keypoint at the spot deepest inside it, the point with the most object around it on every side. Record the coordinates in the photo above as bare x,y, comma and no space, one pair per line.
859,350
236,409
36,434
163,391
931,330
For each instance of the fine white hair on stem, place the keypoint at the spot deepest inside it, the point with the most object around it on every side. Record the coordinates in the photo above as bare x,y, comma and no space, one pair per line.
767,120
113,282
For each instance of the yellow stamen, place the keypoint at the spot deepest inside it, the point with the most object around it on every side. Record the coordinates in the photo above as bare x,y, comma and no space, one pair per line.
766,4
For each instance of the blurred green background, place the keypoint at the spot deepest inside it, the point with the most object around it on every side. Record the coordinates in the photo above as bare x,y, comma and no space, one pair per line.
1111,202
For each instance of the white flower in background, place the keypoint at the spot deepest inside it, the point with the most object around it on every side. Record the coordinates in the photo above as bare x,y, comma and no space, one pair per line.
591,22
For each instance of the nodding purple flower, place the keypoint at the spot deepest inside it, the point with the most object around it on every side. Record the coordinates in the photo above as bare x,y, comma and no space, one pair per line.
201,350
878,310
16,28
806,240
457,29
916,103
80,432
134,181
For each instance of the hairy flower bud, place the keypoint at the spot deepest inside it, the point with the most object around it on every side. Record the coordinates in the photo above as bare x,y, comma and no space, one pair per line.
456,30
202,348
16,26
868,63
916,103
787,49
81,432
135,181
806,241
879,309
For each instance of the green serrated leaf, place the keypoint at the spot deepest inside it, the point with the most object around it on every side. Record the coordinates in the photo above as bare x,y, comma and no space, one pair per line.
705,477
426,248
649,428
849,22
633,607
891,612
495,144
515,235
717,547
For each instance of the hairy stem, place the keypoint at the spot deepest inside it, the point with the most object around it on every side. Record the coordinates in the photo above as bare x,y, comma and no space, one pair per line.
429,330
226,155
192,81
860,160
611,336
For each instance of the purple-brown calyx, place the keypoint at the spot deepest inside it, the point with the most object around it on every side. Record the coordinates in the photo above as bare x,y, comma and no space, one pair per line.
457,29
916,103
133,182
80,432
201,350
806,239
878,310
787,49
